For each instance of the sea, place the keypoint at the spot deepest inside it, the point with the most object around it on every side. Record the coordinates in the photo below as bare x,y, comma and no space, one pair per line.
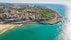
37,31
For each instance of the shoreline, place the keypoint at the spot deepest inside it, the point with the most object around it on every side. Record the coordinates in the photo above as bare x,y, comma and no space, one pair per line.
6,27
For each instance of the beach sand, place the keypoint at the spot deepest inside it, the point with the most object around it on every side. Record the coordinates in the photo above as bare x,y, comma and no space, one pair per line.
6,27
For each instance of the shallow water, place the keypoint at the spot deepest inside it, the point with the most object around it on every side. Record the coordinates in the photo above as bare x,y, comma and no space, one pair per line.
33,32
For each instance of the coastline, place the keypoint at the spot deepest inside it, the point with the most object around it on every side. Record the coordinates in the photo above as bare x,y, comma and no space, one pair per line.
6,27
11,22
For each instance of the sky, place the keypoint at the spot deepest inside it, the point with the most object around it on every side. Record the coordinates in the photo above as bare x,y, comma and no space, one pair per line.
32,1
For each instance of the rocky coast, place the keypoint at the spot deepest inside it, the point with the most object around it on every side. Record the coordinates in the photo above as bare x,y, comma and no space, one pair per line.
11,15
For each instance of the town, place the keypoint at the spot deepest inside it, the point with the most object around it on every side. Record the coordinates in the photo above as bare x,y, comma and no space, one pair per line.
28,13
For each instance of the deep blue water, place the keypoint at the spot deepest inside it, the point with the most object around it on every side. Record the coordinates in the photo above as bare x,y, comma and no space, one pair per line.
56,7
36,31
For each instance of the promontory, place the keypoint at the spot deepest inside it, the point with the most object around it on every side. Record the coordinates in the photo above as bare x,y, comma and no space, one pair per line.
27,13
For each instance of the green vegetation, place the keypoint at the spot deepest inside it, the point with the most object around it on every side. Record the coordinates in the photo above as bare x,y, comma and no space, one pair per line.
24,11
19,10
44,11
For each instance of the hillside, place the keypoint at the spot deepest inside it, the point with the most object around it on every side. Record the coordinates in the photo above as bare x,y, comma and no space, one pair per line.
25,13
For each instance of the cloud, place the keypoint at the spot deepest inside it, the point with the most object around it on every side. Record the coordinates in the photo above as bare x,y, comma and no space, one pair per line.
30,1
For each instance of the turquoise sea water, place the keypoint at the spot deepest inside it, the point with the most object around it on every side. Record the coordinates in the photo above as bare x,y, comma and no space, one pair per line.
36,31
32,32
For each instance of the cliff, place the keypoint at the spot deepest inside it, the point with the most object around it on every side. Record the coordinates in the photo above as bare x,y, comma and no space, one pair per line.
20,13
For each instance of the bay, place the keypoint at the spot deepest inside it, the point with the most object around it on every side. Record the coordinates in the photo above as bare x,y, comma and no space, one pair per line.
37,31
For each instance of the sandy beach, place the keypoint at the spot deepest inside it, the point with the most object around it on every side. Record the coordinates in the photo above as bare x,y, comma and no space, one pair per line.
6,27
